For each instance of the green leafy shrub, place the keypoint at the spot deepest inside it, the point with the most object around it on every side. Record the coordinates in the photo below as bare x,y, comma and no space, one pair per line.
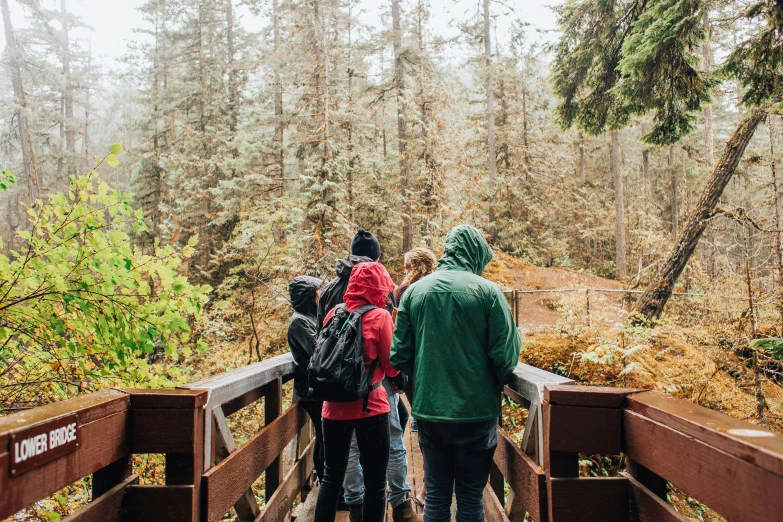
771,346
81,308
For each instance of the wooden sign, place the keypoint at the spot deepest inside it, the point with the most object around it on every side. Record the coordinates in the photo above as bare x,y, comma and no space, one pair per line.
36,445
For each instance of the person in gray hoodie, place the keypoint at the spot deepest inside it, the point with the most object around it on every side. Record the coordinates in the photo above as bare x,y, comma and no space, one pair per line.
304,292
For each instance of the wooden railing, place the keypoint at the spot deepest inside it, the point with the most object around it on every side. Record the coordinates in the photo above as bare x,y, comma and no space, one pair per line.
521,466
733,467
230,473
111,425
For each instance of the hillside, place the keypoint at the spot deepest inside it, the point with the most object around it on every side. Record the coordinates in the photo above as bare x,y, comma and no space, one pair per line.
539,309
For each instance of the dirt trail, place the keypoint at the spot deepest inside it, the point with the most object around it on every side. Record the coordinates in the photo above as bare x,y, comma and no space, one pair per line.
536,310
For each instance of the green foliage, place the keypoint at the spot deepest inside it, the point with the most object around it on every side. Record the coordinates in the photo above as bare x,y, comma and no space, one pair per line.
623,57
772,346
659,68
587,56
6,179
323,187
619,58
758,62
81,308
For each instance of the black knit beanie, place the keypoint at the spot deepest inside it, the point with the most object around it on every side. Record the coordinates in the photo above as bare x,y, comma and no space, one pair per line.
365,244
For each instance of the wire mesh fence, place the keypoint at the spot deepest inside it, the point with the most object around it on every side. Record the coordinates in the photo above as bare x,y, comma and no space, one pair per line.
590,306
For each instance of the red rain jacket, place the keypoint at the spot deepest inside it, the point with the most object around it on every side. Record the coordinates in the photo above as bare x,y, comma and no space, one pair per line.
369,284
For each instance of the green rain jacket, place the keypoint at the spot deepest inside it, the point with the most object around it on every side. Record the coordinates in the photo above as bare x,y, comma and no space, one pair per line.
455,335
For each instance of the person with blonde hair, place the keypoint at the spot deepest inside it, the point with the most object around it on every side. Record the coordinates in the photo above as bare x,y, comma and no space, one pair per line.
419,262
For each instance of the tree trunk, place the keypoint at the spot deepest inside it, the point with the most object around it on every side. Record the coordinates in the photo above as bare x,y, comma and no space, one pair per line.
61,152
582,170
774,134
156,183
326,74
233,90
70,124
673,174
430,172
619,204
652,302
525,142
86,135
709,133
491,156
351,156
402,129
759,392
31,177
278,102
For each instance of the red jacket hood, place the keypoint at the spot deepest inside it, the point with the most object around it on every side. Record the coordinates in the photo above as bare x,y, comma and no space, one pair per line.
369,283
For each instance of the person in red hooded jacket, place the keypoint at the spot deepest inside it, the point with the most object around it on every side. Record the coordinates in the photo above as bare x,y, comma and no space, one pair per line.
369,283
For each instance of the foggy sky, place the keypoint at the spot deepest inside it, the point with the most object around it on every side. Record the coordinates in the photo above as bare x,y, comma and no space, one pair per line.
112,21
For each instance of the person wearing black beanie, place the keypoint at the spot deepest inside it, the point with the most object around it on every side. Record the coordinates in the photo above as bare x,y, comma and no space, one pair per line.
365,244
364,249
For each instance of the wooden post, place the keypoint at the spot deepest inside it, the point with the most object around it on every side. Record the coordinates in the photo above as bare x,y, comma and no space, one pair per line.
587,295
496,480
246,507
567,411
273,408
516,307
306,434
170,422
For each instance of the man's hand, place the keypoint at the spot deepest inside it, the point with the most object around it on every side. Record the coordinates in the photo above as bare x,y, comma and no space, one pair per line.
399,382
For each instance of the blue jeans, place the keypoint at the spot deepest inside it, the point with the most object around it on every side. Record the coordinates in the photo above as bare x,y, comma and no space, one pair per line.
457,458
396,472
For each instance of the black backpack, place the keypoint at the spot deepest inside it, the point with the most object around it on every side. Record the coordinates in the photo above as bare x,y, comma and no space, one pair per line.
336,371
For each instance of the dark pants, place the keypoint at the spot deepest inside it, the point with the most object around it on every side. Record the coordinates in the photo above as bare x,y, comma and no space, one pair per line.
313,409
457,458
372,436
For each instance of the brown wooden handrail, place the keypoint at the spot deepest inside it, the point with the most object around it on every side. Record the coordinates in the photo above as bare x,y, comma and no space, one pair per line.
103,450
731,466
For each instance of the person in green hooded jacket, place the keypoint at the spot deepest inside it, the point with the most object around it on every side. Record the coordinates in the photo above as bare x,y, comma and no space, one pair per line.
455,336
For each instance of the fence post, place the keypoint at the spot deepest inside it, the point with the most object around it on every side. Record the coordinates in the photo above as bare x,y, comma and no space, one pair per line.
587,295
567,410
169,422
516,307
273,408
496,480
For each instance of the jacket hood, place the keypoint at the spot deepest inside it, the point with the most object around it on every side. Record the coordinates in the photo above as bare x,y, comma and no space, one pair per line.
344,266
369,283
466,249
302,292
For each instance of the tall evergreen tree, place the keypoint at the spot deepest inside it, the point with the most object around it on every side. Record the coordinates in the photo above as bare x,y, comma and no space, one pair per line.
652,66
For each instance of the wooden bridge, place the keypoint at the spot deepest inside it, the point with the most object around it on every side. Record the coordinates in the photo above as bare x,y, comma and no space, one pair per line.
731,466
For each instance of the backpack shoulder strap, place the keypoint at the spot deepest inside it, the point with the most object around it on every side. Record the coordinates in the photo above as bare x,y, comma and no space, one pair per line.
373,387
364,309
359,312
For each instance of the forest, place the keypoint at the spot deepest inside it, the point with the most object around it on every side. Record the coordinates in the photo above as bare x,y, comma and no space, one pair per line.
154,211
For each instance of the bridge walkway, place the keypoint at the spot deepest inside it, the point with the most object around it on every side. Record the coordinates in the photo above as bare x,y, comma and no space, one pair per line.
733,467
